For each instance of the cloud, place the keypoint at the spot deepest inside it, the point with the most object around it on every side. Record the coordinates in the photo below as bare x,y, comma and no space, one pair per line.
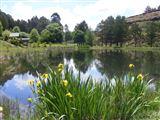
73,12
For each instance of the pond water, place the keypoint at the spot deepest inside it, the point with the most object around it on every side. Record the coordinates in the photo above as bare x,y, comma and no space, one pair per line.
16,69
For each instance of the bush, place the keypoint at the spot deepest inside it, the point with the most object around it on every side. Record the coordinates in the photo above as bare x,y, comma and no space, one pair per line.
62,95
5,35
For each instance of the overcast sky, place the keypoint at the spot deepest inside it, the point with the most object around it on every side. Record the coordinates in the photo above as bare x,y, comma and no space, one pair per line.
74,11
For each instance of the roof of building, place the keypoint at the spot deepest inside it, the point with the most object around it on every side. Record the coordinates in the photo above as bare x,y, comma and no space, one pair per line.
14,35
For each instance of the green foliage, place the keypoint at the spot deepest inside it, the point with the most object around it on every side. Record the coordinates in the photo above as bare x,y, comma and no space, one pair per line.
6,35
64,96
151,29
24,35
79,37
67,34
89,37
34,35
56,32
82,34
136,33
1,28
45,36
112,30
120,29
16,29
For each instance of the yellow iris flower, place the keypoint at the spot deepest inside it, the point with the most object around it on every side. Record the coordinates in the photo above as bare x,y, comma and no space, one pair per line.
131,65
64,83
30,82
30,100
1,108
140,77
69,95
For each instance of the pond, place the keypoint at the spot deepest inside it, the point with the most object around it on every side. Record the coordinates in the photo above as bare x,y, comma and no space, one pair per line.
16,69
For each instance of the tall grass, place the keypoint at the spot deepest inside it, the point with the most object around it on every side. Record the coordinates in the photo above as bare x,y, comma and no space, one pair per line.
61,95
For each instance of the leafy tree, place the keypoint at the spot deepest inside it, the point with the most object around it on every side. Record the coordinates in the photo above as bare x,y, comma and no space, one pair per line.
55,17
89,37
34,35
45,35
68,34
16,29
120,30
158,7
100,32
109,30
42,23
151,29
82,26
56,32
23,25
148,9
79,37
135,33
1,28
6,35
24,35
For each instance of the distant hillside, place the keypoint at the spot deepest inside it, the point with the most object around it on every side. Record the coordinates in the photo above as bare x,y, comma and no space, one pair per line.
152,16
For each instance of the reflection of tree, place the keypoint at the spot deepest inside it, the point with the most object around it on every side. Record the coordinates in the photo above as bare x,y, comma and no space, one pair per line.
112,63
82,60
21,63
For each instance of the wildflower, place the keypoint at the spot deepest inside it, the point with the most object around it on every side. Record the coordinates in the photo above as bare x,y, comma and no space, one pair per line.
60,70
64,83
131,66
30,100
45,76
1,108
38,91
140,77
38,83
30,82
60,66
69,95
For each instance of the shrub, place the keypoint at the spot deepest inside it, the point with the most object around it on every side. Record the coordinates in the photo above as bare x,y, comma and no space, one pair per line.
5,35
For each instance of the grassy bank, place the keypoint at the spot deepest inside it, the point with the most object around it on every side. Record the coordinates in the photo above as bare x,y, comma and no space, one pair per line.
128,48
60,94
6,47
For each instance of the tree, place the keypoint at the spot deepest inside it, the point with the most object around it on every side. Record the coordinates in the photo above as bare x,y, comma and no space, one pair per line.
6,34
109,30
120,30
42,23
24,35
151,29
16,29
55,17
34,35
89,37
45,36
79,37
1,28
158,7
100,32
148,9
56,32
67,34
135,33
82,26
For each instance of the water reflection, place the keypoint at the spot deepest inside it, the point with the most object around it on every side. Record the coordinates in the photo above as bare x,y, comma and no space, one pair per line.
16,69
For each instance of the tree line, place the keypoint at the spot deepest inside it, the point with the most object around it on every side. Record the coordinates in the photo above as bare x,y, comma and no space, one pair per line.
111,31
118,31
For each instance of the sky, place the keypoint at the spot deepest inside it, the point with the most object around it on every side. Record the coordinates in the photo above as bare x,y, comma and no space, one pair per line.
75,11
